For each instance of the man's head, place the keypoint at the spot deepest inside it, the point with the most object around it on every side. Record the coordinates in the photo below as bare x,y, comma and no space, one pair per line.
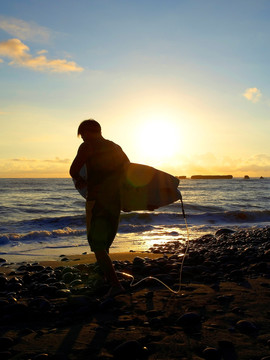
89,128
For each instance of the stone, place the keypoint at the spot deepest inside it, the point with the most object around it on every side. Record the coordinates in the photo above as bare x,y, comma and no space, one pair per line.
6,342
5,355
189,320
224,232
43,356
129,350
3,282
227,350
62,293
246,327
211,354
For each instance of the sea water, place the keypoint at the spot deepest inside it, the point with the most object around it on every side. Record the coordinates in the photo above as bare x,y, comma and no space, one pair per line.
42,219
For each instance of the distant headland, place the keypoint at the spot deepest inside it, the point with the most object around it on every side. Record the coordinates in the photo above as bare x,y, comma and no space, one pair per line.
212,177
198,177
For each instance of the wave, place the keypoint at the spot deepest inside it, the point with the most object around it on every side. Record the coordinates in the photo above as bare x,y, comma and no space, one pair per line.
231,217
39,235
134,222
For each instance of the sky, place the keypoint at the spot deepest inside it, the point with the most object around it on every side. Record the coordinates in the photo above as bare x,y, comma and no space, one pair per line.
181,85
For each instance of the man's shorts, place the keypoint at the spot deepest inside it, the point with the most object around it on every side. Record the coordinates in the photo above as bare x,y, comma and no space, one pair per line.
102,224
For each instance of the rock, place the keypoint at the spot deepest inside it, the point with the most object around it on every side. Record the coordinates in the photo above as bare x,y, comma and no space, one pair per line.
211,354
76,282
266,255
225,299
18,309
246,327
153,313
5,355
62,293
156,323
227,350
40,304
224,232
41,357
236,275
6,343
68,277
79,300
189,320
129,350
3,282
37,268
138,260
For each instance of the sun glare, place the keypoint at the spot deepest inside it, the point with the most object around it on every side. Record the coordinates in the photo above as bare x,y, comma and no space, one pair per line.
158,139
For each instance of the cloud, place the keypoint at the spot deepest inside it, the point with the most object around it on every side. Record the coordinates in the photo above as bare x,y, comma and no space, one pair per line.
209,164
24,30
252,94
19,54
26,167
256,163
42,52
56,160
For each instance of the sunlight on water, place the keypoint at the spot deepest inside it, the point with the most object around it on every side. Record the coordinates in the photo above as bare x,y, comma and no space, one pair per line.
45,217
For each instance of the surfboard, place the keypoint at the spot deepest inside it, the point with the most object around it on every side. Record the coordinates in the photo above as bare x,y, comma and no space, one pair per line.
143,188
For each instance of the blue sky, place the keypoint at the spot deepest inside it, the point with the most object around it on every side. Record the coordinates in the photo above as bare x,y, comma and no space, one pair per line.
191,77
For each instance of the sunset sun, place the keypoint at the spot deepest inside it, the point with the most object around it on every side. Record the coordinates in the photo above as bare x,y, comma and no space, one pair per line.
158,139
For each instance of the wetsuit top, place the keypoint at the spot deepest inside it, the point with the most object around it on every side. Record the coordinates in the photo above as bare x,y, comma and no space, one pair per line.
105,167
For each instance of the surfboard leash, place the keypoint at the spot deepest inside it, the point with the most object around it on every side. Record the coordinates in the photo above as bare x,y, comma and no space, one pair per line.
132,284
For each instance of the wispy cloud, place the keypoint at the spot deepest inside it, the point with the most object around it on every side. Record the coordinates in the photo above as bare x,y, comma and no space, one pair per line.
20,56
252,94
56,160
24,30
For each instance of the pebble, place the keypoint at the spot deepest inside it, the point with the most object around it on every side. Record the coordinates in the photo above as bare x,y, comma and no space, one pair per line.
211,354
189,320
5,355
227,349
6,343
131,350
64,294
246,327
42,356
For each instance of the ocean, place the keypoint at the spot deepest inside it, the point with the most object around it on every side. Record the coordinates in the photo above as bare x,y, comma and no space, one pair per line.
42,219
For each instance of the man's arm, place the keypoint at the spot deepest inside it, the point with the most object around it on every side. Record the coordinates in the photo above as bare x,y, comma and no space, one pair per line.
77,164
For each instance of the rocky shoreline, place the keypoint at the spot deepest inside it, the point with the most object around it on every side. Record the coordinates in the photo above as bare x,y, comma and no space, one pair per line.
220,312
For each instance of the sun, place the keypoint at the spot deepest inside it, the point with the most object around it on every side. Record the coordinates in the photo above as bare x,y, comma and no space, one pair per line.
158,139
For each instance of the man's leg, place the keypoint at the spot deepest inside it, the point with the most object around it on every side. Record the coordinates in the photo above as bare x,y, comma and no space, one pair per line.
106,266
101,230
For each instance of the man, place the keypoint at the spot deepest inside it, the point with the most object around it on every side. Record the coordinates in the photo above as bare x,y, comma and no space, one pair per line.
106,163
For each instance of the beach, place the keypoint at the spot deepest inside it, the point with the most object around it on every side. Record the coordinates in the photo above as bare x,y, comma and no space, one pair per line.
54,309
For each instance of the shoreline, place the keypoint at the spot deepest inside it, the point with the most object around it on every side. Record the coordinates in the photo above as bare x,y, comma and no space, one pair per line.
74,259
